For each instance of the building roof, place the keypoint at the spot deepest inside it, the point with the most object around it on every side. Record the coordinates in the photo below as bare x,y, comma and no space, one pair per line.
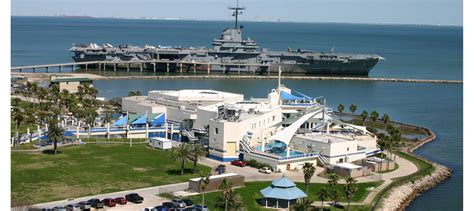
58,80
347,165
283,188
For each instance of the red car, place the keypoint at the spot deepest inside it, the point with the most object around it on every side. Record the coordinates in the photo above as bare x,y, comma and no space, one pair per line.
109,202
238,163
120,200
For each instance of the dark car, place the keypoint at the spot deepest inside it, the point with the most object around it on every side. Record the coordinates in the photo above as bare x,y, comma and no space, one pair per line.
96,203
188,202
160,208
85,205
134,197
120,200
109,202
238,163
169,205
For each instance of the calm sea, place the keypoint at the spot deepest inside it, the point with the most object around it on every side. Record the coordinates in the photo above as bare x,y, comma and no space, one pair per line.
428,52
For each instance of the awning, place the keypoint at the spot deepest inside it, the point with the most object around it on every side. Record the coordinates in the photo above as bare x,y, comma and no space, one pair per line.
142,119
121,122
288,96
159,120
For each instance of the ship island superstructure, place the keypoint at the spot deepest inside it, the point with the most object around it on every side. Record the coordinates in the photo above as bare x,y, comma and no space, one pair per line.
230,52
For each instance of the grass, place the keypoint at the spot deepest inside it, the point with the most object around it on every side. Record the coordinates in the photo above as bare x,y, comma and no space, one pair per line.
122,140
25,146
91,169
251,193
424,168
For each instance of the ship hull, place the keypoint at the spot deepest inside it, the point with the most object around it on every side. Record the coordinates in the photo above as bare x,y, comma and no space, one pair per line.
358,67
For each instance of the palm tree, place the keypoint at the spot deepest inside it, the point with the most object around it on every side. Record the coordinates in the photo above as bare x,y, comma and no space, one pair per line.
302,205
181,153
18,117
197,154
353,108
203,182
333,180
308,171
226,189
350,190
55,133
385,119
382,143
374,115
340,108
364,116
323,194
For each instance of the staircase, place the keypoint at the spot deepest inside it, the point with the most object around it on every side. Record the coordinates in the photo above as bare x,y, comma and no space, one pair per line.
245,146
189,135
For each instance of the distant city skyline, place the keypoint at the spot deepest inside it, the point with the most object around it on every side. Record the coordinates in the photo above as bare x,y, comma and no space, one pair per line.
431,12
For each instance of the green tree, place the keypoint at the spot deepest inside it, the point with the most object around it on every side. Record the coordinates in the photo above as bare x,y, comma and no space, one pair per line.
385,119
55,134
322,195
353,109
333,181
364,116
302,205
134,93
350,189
18,118
181,153
308,171
374,115
197,153
203,183
226,189
340,108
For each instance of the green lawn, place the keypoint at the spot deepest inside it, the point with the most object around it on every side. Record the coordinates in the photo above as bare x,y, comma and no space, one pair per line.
91,169
251,193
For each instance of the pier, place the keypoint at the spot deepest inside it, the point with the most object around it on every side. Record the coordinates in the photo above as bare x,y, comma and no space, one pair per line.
141,65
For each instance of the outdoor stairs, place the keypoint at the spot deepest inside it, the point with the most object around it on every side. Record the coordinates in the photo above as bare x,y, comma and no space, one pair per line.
189,135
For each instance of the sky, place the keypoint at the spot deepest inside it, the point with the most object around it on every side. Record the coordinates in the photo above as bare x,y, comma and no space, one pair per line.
432,12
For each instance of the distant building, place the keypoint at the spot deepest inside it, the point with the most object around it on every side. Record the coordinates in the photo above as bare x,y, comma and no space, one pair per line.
70,84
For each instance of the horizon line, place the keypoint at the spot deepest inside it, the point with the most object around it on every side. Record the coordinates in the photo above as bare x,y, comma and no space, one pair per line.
244,20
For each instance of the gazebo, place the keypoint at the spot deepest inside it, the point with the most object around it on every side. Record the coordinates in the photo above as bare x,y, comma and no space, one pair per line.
283,191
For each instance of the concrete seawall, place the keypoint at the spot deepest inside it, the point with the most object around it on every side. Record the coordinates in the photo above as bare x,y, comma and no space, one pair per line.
45,76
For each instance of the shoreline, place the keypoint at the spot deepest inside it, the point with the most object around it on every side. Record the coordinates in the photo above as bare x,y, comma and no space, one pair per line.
45,76
401,196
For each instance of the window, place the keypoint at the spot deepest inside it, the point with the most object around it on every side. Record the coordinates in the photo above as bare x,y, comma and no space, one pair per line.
217,130
341,160
273,118
348,149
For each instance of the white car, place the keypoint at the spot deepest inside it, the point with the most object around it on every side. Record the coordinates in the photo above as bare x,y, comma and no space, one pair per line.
265,170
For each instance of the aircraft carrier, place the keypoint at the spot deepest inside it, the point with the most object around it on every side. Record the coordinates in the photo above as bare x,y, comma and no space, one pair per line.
234,53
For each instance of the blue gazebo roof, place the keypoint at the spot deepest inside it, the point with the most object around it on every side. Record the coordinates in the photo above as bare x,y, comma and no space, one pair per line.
283,188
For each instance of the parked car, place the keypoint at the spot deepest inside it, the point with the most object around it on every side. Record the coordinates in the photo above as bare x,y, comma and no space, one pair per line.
169,205
120,200
84,205
109,202
200,208
179,202
188,202
159,208
96,203
73,207
59,208
134,197
238,163
265,170
46,209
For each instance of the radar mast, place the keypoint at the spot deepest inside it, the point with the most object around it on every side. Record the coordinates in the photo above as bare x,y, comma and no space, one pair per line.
237,12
